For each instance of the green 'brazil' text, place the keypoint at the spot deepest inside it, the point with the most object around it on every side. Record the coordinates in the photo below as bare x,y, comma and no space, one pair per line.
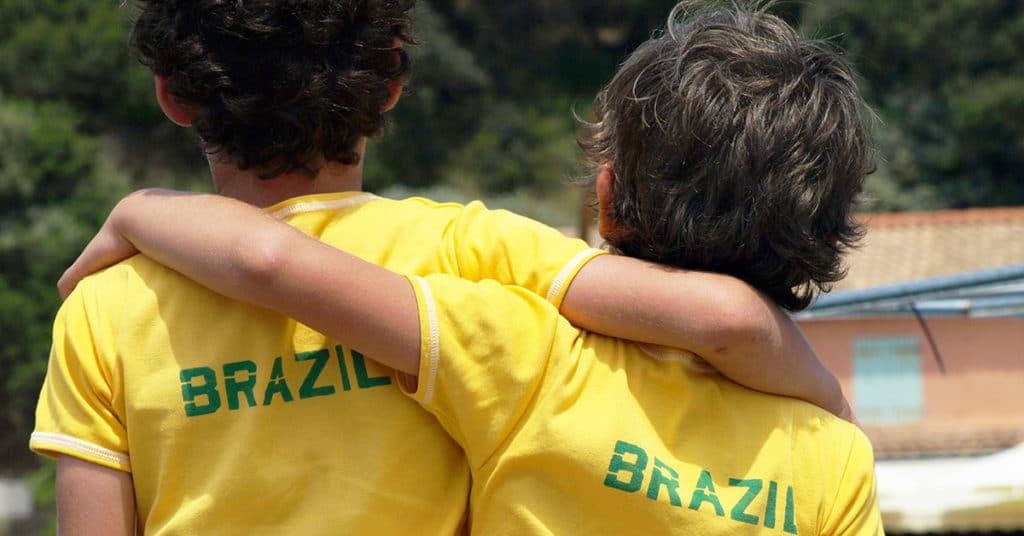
203,394
627,472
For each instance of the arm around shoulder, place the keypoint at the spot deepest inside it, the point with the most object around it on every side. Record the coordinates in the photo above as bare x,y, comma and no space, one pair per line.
244,253
706,313
739,331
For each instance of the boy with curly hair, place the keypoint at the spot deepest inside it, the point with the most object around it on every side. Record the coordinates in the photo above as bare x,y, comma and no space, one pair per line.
223,418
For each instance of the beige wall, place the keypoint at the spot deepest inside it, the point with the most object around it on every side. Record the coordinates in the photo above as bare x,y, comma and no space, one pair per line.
979,398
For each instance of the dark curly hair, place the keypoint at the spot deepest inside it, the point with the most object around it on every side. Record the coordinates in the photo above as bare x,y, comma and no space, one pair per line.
738,147
278,85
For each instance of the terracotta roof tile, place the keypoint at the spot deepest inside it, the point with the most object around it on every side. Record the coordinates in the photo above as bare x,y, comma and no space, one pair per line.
909,246
929,441
904,247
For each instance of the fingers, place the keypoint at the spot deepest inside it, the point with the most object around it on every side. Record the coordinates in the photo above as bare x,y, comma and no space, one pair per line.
847,413
107,248
67,282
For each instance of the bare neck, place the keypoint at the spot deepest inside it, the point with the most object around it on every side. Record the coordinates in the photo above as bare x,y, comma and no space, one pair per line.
247,186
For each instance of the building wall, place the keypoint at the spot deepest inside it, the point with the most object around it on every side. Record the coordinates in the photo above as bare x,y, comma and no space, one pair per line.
976,406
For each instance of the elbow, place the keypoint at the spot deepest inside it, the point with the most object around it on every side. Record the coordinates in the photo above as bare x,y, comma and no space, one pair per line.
260,262
749,324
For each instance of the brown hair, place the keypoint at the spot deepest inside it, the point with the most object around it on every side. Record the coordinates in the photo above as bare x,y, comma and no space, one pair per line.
276,85
738,147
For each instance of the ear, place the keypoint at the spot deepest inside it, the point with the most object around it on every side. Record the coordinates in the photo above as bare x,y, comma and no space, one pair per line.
395,85
180,114
395,89
605,186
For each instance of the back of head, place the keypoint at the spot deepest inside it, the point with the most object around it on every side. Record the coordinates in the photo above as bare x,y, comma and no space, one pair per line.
738,147
277,85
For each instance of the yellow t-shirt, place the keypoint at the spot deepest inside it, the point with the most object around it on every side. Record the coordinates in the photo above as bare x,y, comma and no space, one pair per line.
235,420
569,432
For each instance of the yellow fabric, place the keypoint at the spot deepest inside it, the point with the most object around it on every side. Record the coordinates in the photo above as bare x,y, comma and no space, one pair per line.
569,432
234,420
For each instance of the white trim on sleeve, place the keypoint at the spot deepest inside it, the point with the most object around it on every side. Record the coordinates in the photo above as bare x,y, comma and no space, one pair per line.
433,342
45,440
567,271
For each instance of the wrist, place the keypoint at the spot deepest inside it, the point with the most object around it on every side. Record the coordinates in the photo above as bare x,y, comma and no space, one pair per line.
833,396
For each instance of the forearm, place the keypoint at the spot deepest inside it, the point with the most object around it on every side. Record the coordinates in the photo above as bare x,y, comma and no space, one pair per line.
646,302
241,252
737,330
781,360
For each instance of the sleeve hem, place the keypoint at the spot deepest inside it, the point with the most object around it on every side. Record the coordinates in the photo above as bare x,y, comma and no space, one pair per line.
430,343
51,444
559,287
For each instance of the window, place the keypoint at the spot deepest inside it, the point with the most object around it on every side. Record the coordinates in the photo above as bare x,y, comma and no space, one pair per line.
887,385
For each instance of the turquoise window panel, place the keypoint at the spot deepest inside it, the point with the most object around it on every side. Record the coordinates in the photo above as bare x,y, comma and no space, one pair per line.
887,383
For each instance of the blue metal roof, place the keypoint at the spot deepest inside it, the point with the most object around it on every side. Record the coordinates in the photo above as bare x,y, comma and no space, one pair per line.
987,293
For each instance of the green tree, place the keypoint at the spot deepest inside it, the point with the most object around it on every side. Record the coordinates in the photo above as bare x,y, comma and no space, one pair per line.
517,149
75,51
439,111
947,79
51,201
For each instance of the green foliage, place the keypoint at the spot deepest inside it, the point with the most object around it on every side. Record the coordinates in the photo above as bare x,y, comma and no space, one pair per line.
947,78
439,110
40,153
517,149
75,51
51,200
891,188
562,48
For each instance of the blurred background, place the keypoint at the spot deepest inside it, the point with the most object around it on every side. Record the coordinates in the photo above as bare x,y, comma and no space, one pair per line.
926,333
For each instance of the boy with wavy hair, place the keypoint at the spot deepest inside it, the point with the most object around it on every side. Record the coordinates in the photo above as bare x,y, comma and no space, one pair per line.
161,387
731,144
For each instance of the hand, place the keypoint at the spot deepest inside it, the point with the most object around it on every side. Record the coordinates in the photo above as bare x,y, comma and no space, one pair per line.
846,413
108,247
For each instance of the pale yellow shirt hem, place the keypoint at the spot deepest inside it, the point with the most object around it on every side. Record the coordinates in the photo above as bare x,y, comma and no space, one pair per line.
50,444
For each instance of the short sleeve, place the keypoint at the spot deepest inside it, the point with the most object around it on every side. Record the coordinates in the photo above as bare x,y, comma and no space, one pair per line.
855,508
485,348
75,414
512,249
